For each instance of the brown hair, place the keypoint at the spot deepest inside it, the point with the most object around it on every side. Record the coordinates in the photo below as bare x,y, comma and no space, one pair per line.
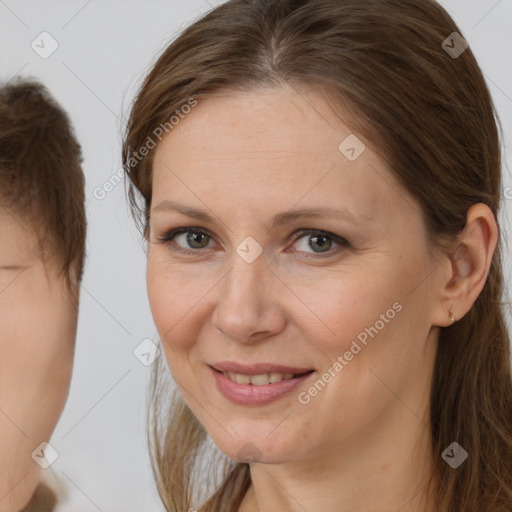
43,500
40,173
431,118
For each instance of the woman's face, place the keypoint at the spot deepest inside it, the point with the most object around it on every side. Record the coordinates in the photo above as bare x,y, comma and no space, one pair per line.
253,284
38,324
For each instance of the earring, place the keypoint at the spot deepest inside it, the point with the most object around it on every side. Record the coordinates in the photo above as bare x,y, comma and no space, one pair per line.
452,317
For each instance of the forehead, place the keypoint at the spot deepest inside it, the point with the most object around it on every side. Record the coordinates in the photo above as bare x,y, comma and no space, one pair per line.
233,124
20,240
30,268
277,147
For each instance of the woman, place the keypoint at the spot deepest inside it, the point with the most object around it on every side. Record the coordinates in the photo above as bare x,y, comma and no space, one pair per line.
324,263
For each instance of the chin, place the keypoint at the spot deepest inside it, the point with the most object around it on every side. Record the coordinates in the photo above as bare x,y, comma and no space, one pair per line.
257,448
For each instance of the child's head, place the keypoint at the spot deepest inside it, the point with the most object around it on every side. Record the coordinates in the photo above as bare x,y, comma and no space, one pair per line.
41,179
42,246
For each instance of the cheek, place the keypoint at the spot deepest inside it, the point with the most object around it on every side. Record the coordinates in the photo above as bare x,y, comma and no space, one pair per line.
37,346
52,322
175,305
342,308
377,339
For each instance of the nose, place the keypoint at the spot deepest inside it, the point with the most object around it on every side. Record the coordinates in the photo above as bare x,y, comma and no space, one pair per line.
248,307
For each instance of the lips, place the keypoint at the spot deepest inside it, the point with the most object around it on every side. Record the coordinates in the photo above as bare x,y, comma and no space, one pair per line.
259,368
258,384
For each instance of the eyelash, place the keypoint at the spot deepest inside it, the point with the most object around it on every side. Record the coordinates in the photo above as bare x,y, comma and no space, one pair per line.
168,237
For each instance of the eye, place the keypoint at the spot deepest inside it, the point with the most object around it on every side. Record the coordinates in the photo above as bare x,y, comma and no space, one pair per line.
319,241
190,240
186,240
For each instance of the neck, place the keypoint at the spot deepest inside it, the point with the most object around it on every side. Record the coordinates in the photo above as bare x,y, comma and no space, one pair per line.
385,469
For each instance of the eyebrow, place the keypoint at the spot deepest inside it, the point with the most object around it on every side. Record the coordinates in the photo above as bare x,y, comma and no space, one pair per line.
278,219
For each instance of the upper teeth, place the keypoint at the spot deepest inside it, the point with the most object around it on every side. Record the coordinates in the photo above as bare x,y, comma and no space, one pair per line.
259,380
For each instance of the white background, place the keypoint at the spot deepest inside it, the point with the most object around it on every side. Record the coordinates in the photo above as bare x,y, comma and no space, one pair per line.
105,47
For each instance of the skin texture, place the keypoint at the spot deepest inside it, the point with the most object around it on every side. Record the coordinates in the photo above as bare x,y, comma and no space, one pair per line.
38,318
364,439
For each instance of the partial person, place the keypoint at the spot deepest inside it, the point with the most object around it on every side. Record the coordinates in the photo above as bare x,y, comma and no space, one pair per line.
323,262
42,251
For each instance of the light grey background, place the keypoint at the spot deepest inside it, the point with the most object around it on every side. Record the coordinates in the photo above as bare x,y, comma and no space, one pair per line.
104,49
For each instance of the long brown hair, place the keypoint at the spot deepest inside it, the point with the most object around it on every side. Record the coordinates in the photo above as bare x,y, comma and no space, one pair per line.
429,115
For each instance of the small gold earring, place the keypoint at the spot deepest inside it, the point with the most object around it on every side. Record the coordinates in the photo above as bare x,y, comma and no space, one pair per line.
452,317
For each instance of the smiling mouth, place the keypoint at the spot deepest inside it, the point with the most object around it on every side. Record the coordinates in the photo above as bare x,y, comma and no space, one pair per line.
261,379
259,384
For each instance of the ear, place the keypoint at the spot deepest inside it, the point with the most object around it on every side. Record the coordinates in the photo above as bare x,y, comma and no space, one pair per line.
468,266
